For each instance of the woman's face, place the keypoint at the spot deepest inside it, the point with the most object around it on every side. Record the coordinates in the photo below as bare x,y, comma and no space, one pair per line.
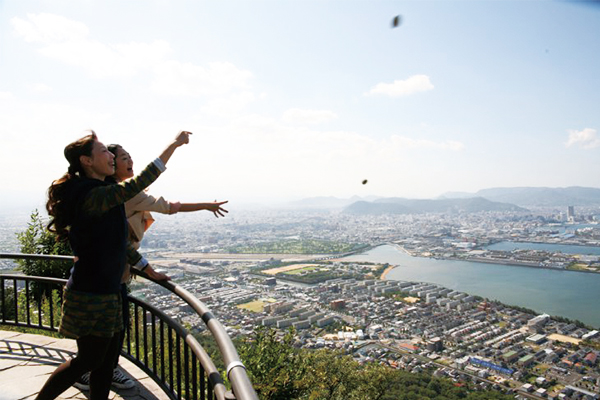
101,163
123,165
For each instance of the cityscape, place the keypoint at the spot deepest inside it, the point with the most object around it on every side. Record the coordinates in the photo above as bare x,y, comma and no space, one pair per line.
294,268
411,183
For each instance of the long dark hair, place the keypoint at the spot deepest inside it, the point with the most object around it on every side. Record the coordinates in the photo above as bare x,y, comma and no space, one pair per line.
114,148
59,210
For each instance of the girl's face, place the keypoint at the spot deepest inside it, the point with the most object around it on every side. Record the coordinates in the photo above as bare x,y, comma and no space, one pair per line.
101,163
123,165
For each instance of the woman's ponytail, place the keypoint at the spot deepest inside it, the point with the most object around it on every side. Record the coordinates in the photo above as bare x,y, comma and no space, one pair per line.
58,206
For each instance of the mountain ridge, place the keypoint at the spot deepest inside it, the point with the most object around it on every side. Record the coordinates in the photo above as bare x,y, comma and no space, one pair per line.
395,205
528,196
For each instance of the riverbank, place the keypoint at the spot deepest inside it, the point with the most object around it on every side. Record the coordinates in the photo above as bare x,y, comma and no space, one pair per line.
550,291
387,270
513,263
507,262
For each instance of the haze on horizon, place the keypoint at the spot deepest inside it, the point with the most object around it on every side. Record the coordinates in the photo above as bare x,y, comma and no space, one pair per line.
296,99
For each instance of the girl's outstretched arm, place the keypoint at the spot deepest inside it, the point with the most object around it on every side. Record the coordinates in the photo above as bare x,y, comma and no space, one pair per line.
214,207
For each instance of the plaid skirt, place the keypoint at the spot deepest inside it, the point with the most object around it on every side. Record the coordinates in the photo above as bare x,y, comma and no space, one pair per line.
93,314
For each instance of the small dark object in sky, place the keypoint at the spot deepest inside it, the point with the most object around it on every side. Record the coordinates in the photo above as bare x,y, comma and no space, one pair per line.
365,182
396,21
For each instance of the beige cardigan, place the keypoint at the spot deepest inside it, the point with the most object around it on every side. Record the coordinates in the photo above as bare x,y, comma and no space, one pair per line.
137,211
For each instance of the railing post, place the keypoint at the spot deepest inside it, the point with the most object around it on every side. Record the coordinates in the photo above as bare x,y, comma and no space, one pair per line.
2,300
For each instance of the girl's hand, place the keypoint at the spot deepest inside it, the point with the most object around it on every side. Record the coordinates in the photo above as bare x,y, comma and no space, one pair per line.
216,208
158,276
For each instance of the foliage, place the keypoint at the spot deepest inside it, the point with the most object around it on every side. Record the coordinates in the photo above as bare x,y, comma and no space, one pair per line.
8,310
331,375
380,270
275,367
280,371
36,239
589,343
316,277
304,246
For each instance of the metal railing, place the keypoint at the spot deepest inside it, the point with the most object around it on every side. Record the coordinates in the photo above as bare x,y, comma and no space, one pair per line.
155,342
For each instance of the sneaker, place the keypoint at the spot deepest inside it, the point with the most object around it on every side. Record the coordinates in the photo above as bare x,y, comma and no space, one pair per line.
83,383
120,381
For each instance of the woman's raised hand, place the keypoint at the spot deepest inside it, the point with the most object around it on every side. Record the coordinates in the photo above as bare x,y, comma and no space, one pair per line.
182,138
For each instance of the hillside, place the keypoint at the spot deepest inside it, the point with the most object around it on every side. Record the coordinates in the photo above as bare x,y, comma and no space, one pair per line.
536,196
417,206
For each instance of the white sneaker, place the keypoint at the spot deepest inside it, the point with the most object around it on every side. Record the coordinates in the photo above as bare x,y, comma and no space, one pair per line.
120,381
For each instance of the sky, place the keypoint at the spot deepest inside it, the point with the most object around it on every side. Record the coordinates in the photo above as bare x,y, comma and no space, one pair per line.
290,99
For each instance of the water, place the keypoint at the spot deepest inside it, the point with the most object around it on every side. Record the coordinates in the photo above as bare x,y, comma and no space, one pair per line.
563,248
573,295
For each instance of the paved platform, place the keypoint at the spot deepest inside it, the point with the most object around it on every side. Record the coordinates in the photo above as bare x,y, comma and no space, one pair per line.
27,360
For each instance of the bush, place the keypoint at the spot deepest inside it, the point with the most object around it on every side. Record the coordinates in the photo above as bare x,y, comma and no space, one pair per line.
37,239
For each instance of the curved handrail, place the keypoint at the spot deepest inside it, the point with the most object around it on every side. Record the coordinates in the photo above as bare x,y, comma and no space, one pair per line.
209,366
16,256
236,371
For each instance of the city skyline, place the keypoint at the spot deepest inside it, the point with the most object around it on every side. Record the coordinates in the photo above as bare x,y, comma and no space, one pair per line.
290,100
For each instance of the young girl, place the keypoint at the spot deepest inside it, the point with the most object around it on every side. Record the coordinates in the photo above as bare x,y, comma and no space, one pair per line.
138,208
89,212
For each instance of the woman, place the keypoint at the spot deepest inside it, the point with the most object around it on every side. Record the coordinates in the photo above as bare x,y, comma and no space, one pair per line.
138,215
138,208
90,213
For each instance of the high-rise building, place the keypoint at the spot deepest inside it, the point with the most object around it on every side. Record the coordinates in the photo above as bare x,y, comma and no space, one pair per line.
571,213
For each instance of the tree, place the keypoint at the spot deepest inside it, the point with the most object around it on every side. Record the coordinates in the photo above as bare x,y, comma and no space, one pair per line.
275,367
37,239
332,375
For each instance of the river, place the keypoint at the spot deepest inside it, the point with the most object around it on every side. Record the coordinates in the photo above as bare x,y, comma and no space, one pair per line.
570,294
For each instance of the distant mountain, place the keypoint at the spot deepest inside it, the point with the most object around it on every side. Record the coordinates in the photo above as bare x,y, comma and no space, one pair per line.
329,202
537,196
395,205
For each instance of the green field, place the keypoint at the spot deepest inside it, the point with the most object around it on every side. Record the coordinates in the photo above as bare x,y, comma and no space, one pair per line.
305,270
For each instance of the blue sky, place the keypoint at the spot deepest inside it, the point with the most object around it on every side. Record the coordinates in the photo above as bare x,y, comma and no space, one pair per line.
293,99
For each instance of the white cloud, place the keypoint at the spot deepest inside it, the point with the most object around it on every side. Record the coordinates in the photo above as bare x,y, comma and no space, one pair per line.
39,87
175,78
229,105
67,41
297,115
49,28
412,85
101,60
587,138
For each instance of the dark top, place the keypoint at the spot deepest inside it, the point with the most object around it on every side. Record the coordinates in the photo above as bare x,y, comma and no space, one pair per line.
99,234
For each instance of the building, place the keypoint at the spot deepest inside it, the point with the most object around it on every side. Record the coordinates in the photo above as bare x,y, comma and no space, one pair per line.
338,304
571,213
435,344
